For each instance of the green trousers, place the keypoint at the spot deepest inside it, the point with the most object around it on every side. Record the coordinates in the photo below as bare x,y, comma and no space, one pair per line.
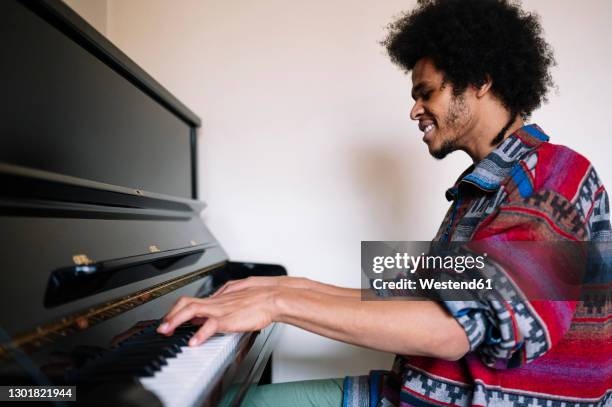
309,393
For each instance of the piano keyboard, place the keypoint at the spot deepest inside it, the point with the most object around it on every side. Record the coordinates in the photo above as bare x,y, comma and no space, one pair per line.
177,374
185,378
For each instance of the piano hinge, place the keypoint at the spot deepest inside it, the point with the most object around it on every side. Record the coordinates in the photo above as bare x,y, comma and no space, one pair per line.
81,260
45,334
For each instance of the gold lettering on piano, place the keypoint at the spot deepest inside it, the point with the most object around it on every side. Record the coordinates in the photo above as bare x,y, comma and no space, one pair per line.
42,335
81,260
82,323
153,249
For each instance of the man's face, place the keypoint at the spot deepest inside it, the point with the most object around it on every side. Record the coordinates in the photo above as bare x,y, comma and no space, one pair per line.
444,118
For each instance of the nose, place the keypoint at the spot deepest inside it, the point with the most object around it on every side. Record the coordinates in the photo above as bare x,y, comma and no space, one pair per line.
416,110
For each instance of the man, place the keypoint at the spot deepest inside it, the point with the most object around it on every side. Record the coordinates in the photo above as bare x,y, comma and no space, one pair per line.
479,69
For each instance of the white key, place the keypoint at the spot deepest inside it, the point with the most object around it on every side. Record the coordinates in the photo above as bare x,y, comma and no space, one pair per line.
189,374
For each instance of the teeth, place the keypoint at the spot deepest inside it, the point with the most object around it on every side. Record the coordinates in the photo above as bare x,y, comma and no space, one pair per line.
428,128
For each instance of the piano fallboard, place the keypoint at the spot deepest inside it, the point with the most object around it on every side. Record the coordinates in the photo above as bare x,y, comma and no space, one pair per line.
64,351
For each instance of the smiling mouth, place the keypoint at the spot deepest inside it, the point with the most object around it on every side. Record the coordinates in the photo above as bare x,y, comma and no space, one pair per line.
427,131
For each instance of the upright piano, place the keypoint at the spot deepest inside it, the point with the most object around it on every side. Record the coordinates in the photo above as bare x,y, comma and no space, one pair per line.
100,226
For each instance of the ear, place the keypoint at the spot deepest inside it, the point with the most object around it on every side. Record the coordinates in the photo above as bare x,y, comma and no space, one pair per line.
484,88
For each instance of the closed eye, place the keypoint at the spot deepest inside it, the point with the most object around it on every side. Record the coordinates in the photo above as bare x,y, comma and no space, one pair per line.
421,93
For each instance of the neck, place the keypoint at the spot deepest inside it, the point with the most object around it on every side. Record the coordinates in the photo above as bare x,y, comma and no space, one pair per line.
487,131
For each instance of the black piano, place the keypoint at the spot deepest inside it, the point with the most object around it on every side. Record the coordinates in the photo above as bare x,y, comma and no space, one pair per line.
100,226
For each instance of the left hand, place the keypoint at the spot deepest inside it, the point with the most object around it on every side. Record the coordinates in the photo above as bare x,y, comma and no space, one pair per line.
246,310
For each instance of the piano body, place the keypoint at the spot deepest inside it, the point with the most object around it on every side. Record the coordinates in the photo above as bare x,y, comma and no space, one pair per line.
100,226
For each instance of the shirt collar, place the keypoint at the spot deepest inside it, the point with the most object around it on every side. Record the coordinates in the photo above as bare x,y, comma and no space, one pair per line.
489,173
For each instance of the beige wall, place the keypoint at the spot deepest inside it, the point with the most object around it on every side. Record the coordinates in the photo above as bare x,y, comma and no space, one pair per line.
94,11
307,147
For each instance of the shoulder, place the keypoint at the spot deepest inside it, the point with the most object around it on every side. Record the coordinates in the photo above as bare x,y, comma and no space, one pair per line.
560,185
564,171
570,175
557,169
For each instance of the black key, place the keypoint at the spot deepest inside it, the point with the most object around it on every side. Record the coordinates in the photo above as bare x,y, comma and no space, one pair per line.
169,350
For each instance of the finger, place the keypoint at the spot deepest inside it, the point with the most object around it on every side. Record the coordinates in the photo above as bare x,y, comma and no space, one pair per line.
179,305
197,311
227,323
208,329
185,314
234,322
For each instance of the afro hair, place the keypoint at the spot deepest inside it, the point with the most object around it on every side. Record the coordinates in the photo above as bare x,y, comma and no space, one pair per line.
473,41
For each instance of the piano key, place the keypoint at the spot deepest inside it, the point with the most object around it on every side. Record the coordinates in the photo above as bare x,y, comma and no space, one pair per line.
165,351
189,373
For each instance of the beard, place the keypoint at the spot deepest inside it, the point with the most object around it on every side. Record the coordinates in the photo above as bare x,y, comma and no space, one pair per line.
456,117
447,147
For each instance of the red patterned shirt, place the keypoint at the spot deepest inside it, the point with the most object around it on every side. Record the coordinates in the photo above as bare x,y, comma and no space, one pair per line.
522,353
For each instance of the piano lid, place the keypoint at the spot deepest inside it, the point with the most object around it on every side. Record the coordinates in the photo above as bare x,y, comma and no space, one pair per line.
98,172
75,105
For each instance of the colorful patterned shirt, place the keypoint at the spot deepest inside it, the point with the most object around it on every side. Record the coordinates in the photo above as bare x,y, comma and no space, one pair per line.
526,353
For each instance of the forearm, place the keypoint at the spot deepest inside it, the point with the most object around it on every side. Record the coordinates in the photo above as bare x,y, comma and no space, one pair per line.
421,328
285,282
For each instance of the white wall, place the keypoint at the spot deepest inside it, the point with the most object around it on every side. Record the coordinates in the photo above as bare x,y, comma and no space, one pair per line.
307,147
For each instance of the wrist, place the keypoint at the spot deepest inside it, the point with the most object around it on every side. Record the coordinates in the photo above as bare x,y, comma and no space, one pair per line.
304,283
280,299
295,282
